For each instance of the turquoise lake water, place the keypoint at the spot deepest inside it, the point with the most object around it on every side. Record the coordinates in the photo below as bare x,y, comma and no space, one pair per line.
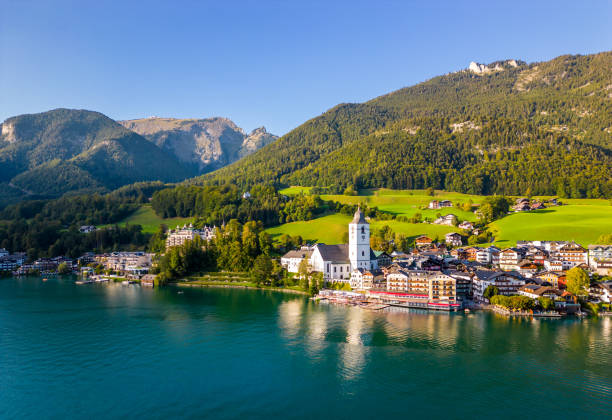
112,351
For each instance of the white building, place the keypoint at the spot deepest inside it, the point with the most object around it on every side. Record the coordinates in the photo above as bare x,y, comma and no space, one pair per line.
446,220
291,260
596,253
178,236
4,252
553,265
489,255
336,262
453,239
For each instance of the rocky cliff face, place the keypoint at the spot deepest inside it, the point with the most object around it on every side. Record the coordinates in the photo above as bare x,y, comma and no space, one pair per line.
207,144
493,67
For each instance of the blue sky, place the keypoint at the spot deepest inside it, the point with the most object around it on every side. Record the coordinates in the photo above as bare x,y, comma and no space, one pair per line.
272,63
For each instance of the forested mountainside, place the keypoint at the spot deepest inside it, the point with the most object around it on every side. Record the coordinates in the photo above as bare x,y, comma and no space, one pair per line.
77,151
64,150
204,144
505,128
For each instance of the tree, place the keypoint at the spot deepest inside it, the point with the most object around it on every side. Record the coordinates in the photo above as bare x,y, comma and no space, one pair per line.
490,291
63,269
430,191
605,239
546,303
304,272
578,281
262,269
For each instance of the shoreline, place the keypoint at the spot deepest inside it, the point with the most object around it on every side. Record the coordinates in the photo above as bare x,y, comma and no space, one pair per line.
237,286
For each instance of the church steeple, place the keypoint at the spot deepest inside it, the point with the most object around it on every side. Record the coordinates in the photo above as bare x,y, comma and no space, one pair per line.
359,241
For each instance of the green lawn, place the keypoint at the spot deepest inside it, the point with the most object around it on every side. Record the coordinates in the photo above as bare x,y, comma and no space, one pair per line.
331,229
583,223
146,217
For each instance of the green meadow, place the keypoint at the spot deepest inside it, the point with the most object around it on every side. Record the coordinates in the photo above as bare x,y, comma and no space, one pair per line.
150,222
401,202
582,221
332,228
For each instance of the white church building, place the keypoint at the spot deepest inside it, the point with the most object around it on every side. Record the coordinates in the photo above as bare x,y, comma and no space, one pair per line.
336,262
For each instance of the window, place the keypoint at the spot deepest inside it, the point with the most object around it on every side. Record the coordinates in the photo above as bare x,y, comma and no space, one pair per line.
362,229
362,253
334,269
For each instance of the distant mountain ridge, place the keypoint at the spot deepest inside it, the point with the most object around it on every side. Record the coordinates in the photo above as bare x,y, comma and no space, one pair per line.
504,128
67,150
206,144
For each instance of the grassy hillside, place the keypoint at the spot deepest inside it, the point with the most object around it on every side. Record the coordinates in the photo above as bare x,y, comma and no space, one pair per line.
581,220
150,222
544,127
332,228
401,202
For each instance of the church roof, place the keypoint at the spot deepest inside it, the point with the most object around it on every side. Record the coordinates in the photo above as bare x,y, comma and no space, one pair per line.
335,253
359,218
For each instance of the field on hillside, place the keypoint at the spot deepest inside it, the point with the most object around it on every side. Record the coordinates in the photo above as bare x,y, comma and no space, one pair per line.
401,202
582,220
582,223
150,222
332,228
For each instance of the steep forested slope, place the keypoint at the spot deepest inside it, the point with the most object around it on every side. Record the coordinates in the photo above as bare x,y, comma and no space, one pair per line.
544,126
68,150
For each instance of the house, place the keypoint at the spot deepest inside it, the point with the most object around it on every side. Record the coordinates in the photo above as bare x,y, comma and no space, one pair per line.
571,255
246,195
603,267
435,204
465,225
601,292
11,262
538,256
87,229
362,279
507,283
459,253
423,241
598,254
509,258
553,265
453,239
135,263
383,258
535,291
489,255
178,236
471,253
521,207
291,260
336,262
527,268
4,252
555,279
446,220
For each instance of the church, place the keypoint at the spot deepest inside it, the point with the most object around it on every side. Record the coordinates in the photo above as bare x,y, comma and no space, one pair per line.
336,262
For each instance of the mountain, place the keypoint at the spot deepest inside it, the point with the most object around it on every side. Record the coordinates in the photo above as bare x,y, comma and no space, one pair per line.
504,128
62,150
203,144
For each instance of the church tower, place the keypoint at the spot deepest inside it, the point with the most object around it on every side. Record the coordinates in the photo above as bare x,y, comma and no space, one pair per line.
359,242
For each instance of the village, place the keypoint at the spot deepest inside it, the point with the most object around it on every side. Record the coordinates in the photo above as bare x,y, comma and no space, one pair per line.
447,276
434,275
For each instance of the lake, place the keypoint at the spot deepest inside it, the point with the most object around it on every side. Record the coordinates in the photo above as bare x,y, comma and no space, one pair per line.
113,351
